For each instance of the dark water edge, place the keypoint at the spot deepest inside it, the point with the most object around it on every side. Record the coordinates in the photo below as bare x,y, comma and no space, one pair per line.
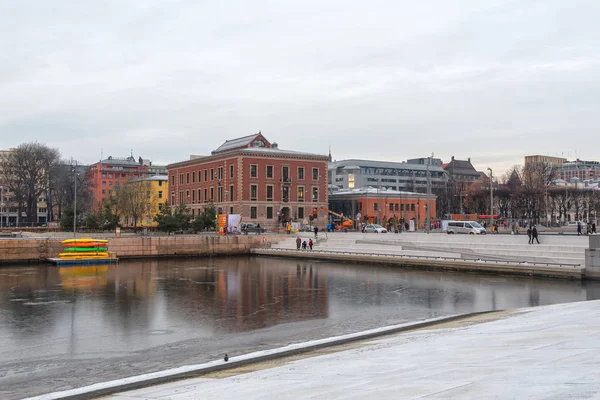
72,326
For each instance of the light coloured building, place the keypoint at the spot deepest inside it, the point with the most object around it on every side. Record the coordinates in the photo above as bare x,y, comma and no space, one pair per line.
583,170
545,160
154,191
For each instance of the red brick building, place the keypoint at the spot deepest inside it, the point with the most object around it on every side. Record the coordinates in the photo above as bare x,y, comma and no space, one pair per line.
377,206
254,178
109,174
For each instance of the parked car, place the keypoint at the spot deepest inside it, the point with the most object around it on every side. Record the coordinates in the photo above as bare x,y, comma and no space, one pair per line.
375,229
252,228
306,228
470,227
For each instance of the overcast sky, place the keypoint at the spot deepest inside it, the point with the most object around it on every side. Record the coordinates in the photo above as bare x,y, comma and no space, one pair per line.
492,80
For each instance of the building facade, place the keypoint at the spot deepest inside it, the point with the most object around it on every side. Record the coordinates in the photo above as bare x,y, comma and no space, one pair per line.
544,160
584,170
369,205
153,191
254,178
408,176
109,174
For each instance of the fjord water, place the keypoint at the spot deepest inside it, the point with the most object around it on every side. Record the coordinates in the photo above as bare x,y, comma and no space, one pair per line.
64,327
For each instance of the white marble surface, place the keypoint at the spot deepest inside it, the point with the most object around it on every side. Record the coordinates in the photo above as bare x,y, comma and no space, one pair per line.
548,352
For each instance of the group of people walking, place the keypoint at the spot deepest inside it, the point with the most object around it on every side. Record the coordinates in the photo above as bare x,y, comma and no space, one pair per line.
303,244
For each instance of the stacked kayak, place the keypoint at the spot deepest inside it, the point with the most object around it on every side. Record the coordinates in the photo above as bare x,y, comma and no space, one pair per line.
85,248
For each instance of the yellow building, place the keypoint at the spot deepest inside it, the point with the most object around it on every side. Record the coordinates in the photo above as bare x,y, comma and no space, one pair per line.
545,160
139,200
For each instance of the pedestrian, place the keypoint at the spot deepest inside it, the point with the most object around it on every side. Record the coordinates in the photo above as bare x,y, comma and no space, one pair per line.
298,242
534,235
310,243
316,231
529,235
304,245
514,228
579,228
289,228
593,227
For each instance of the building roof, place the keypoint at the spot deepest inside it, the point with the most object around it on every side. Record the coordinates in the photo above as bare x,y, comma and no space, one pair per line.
121,161
235,143
271,150
461,167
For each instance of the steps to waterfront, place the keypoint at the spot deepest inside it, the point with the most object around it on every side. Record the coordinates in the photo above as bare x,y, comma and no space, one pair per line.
556,257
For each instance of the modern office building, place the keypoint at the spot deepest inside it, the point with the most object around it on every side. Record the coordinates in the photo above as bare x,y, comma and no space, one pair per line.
410,176
253,177
108,174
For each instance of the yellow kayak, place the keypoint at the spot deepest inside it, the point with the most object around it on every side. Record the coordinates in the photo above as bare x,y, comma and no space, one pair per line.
83,258
85,240
83,254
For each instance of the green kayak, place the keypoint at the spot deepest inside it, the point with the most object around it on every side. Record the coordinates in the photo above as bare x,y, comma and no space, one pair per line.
70,249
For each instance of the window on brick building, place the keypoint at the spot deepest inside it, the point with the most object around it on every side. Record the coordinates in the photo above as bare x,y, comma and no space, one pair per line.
231,193
181,197
231,171
300,172
269,171
187,178
253,192
212,174
269,212
300,212
253,171
220,173
205,195
269,192
173,180
193,176
253,212
205,175
212,194
300,193
412,207
315,194
315,173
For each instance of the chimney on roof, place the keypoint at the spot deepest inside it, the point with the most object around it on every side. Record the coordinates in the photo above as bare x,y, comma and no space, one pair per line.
469,159
140,160
452,158
274,145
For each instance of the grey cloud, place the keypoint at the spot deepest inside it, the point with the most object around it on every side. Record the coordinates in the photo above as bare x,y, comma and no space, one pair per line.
491,80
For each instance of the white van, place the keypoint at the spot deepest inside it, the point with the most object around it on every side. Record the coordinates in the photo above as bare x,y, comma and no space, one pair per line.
471,227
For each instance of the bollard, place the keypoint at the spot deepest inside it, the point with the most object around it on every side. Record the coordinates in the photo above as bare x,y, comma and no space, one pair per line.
592,258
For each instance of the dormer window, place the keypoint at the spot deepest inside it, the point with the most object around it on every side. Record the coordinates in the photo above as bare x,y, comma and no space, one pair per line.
258,143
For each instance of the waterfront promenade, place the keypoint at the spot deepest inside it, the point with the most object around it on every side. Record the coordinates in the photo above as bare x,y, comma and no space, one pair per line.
550,352
558,256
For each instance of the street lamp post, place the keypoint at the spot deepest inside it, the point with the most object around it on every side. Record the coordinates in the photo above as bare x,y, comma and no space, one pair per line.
491,200
1,206
427,212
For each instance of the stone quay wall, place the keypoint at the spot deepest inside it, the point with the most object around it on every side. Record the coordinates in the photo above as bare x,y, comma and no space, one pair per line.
40,249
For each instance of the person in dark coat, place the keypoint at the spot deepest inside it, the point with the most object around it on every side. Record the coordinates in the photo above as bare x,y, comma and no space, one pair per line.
304,245
316,231
579,228
298,243
534,235
310,244
593,227
529,235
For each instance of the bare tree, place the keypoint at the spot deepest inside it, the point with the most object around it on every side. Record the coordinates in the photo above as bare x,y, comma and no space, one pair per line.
27,174
135,200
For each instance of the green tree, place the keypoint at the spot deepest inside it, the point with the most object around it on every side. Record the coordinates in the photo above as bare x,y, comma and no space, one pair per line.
66,219
206,220
167,222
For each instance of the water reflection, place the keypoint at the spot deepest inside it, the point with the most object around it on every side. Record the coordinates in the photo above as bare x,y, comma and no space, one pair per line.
151,315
